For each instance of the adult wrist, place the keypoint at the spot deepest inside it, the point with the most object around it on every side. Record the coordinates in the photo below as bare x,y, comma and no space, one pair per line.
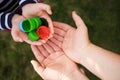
85,55
80,53
76,75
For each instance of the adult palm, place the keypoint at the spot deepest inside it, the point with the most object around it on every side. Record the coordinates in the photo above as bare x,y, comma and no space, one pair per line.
54,64
70,39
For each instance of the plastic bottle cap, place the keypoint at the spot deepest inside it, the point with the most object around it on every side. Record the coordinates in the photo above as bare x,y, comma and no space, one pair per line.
44,22
43,32
21,27
33,36
30,24
37,21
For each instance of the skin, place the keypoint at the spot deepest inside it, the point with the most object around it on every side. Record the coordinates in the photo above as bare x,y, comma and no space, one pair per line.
16,33
31,10
53,64
99,61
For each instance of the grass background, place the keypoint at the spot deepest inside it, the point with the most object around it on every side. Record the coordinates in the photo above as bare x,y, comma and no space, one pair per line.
102,18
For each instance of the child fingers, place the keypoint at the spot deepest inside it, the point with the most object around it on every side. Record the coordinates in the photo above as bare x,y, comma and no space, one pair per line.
49,20
50,24
39,42
33,42
45,7
16,36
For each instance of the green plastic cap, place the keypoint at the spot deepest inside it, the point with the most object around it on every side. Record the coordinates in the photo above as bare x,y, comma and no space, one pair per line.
31,24
33,36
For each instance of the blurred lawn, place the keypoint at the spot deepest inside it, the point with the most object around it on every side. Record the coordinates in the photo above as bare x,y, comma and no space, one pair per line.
101,16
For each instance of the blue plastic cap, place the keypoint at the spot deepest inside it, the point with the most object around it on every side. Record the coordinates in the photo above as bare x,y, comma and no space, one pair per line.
21,27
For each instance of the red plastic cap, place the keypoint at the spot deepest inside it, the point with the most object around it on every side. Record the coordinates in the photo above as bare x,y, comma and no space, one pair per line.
43,32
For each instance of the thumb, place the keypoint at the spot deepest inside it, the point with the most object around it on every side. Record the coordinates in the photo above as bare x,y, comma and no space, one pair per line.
39,69
15,36
78,21
45,7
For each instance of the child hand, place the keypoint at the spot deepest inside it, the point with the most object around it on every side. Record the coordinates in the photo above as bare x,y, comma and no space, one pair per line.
35,9
41,41
17,35
20,36
40,10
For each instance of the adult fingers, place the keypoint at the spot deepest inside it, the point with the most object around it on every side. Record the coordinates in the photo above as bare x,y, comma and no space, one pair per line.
39,56
43,51
53,45
58,43
78,21
48,48
39,69
58,37
62,26
60,31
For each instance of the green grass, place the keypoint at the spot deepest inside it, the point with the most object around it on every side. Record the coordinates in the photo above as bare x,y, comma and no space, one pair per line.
101,17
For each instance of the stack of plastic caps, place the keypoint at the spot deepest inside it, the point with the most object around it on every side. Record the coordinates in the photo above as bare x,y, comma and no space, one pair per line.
37,28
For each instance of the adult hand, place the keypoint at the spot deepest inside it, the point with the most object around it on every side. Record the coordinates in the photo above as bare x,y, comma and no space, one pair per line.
53,64
76,45
72,40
